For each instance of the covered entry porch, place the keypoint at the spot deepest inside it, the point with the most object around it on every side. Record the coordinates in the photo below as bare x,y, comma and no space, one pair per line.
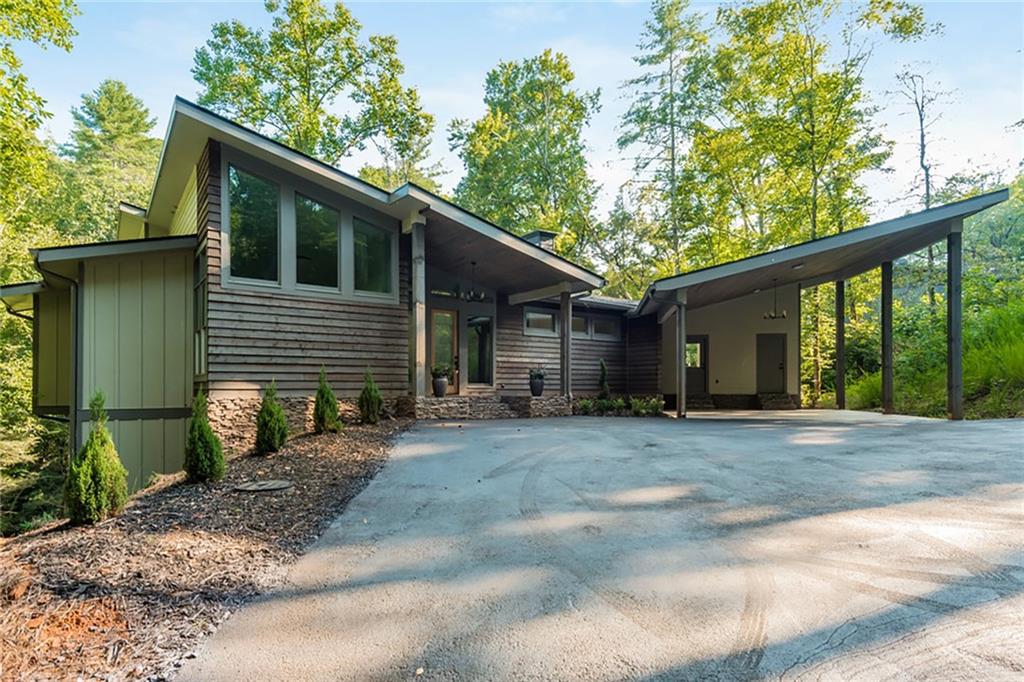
738,305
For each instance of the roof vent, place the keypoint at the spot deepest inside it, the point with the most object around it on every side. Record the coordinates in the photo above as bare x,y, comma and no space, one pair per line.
542,238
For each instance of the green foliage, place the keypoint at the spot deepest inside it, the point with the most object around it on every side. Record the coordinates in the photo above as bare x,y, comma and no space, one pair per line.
271,425
291,81
653,406
325,407
370,401
32,475
637,406
524,158
97,484
441,370
604,391
204,457
399,167
537,373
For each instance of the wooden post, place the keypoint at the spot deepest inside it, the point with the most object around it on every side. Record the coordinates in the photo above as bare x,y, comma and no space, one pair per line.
888,405
840,345
566,363
681,355
954,324
418,323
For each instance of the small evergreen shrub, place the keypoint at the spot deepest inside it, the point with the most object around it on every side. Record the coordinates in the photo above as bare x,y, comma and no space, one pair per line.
97,483
325,409
271,426
604,393
204,457
370,400
440,371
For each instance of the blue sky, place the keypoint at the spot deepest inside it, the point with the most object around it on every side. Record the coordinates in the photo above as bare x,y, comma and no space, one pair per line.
449,47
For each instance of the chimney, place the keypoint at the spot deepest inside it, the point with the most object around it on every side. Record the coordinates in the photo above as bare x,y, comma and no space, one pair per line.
542,238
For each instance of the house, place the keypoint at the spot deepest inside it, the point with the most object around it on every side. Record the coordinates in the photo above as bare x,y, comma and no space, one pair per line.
254,262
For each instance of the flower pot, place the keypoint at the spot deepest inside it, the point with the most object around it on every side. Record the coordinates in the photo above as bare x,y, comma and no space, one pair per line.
536,387
440,386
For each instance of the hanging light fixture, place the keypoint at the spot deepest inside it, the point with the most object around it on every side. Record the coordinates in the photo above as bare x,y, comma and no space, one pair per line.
472,294
774,313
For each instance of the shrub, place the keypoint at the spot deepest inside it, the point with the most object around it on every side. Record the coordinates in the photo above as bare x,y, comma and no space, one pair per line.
647,407
604,392
97,483
585,405
439,371
271,426
325,408
204,458
370,401
537,373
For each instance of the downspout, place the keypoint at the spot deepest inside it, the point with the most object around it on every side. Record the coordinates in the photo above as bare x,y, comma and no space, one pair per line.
72,420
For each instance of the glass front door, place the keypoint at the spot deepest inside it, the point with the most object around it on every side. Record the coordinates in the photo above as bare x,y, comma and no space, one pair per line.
444,344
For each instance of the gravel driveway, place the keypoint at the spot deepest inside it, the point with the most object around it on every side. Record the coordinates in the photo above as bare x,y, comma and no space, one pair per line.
727,546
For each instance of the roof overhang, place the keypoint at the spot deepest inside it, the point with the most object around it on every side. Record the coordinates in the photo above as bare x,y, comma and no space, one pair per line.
62,260
19,298
833,258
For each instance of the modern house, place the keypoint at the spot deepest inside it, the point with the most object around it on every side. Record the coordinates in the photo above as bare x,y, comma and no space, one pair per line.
254,262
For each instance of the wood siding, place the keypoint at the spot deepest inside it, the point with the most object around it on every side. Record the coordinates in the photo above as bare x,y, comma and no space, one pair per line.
256,336
52,352
185,218
644,350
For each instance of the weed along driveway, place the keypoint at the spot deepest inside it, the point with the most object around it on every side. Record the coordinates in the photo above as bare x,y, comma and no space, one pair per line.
733,546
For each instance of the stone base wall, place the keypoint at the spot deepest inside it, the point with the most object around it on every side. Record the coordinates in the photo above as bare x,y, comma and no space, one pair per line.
490,407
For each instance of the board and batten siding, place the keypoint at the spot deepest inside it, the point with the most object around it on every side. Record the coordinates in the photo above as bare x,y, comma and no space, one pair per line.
137,350
257,335
52,352
184,221
517,353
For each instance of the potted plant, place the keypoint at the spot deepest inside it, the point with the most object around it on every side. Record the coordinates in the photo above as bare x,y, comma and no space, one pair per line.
537,382
440,373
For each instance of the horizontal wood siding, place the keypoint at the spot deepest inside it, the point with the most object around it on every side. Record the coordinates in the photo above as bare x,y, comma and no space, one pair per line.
586,365
258,336
516,354
643,355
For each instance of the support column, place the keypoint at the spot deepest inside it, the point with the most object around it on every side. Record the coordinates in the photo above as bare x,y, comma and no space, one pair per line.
888,405
840,345
954,324
566,359
418,321
681,355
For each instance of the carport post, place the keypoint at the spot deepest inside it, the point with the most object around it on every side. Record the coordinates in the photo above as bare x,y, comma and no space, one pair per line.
415,226
840,345
887,393
681,354
954,323
566,363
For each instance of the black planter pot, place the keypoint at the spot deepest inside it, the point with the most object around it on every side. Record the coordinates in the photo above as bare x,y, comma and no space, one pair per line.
440,386
536,387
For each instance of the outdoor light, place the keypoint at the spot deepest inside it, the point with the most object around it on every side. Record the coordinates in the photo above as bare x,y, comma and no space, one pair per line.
774,313
798,266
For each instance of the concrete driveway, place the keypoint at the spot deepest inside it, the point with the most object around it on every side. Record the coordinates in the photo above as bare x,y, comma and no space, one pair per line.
817,545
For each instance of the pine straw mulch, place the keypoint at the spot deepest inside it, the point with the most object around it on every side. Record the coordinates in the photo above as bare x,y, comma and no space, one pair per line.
131,597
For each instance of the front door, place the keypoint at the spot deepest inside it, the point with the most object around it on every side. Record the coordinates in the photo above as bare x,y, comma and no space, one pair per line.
444,344
696,365
771,363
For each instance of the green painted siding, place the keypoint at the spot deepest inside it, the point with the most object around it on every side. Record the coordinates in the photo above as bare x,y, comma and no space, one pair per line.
137,349
52,329
185,220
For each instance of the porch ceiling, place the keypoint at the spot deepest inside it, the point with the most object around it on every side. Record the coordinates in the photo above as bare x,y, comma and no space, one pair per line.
815,262
508,265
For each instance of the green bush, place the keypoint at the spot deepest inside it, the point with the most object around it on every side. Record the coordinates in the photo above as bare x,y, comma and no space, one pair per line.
604,392
271,426
325,408
204,457
585,405
97,484
647,407
370,400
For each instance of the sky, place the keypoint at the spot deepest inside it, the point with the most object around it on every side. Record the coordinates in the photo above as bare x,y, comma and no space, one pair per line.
448,48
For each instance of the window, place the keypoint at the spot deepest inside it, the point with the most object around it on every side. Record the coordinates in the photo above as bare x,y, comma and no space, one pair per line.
605,328
372,253
579,326
693,355
540,323
253,226
479,344
316,243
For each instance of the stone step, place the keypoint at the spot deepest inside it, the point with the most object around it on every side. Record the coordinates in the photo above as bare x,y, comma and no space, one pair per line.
700,401
776,401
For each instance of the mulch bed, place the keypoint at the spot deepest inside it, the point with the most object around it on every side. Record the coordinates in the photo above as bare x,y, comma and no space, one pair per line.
132,597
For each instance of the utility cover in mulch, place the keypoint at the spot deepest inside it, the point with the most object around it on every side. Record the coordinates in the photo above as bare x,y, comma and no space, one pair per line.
132,597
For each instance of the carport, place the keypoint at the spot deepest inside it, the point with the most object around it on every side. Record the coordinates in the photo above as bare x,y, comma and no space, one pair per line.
833,259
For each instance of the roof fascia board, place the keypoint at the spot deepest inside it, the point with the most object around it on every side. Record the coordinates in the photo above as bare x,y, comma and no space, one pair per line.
56,254
958,209
463,217
22,288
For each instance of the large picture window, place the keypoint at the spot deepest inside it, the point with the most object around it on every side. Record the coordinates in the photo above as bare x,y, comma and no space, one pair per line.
372,257
316,243
253,224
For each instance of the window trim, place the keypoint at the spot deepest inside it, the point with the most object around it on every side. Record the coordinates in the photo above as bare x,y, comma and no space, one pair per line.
527,331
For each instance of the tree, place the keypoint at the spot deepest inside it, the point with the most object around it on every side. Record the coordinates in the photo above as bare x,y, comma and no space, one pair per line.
97,484
524,158
625,244
310,82
271,425
398,167
668,101
204,457
325,406
111,158
370,402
